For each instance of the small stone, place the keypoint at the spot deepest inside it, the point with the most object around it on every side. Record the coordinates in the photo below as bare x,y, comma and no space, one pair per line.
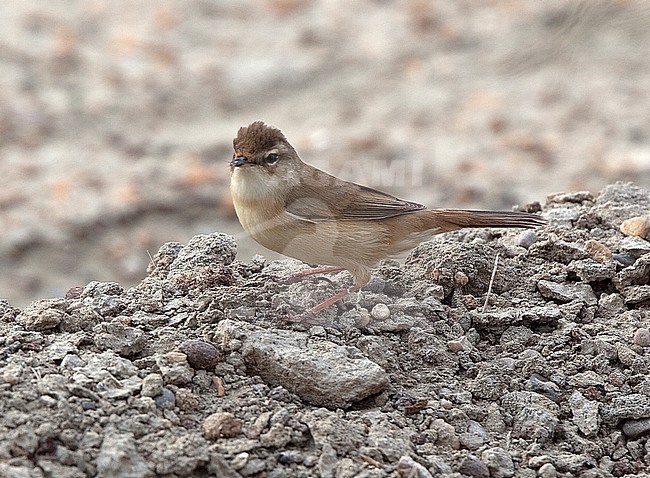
474,467
585,414
186,400
586,379
119,457
461,279
499,462
445,434
634,246
221,425
375,285
152,385
200,355
597,251
286,457
567,292
123,340
380,312
542,385
526,239
547,470
475,437
539,461
239,460
637,428
637,294
590,270
11,374
460,345
204,250
626,260
642,337
634,405
74,293
534,416
638,226
408,467
42,315
318,371
166,399
174,368
571,197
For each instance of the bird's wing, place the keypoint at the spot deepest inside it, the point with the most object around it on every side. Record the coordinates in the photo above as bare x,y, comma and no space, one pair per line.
323,197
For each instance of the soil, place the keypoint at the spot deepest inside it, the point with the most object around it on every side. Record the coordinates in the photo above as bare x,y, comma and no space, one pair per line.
488,353
117,118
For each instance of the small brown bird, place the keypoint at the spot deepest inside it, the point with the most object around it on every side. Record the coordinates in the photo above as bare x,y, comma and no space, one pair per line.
300,211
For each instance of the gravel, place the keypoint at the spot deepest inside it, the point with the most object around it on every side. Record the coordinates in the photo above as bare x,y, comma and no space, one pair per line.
204,369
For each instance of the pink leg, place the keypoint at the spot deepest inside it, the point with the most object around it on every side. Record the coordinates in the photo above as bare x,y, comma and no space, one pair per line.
329,302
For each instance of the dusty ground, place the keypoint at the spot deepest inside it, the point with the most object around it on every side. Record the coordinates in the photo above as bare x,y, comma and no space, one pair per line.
116,118
200,371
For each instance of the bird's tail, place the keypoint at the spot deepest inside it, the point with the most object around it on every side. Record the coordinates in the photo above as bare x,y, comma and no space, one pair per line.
445,220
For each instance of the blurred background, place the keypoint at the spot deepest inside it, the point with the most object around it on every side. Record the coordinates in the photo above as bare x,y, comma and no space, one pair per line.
117,118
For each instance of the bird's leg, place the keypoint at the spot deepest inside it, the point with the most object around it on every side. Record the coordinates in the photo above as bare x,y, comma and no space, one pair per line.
329,302
313,271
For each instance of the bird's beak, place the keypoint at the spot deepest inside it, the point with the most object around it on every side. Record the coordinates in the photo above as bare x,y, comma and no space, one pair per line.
238,161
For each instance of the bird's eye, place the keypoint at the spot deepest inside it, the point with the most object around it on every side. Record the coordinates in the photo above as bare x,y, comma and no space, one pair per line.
272,158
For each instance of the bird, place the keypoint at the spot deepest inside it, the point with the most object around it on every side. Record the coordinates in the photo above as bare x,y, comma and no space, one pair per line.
300,211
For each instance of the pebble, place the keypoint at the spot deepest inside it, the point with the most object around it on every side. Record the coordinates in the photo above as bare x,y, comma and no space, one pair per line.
585,414
634,405
200,355
637,428
287,457
42,315
540,384
571,197
408,467
445,434
636,294
474,467
597,251
221,425
123,340
499,462
475,437
318,371
526,239
461,279
642,337
634,246
204,250
547,471
166,399
567,292
590,270
119,457
460,345
626,260
174,368
239,460
152,385
535,417
638,226
380,312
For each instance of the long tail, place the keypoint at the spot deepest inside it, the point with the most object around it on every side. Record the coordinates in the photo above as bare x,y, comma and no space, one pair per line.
451,219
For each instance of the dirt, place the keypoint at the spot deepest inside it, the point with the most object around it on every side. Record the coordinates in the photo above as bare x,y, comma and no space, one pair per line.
487,353
117,119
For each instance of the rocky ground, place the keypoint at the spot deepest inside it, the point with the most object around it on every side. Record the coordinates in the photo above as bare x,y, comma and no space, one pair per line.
117,118
486,354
